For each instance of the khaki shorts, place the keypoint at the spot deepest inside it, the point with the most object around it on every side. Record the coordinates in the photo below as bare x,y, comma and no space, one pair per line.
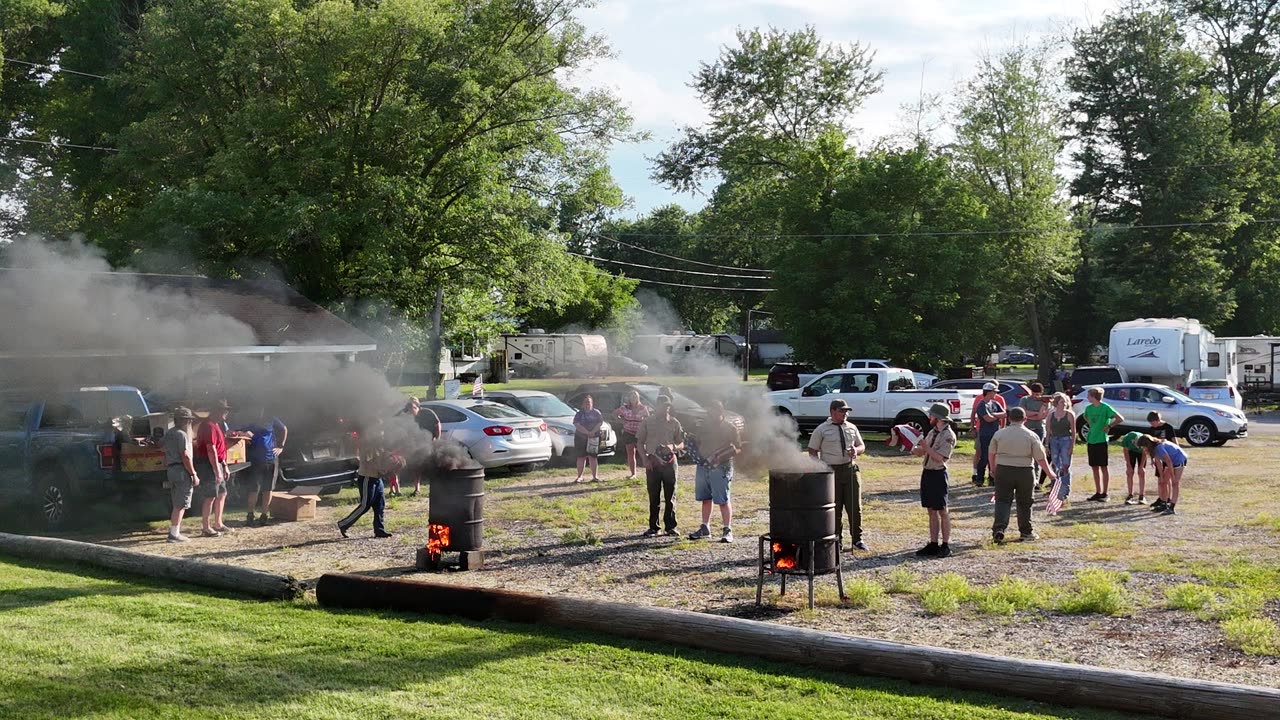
180,487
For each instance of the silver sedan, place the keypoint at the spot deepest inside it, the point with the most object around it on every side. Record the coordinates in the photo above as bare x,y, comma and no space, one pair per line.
559,417
495,435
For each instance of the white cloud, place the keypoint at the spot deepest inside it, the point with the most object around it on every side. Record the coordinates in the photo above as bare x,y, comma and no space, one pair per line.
655,105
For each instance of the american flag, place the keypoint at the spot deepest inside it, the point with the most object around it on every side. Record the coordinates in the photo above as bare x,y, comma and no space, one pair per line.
1055,502
904,436
477,387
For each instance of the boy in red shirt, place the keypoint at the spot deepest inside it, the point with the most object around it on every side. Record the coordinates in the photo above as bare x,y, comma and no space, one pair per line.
211,468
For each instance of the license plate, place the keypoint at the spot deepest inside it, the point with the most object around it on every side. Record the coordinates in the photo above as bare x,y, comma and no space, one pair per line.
321,453
525,433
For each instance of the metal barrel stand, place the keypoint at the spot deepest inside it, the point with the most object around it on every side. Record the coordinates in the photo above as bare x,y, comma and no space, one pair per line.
767,564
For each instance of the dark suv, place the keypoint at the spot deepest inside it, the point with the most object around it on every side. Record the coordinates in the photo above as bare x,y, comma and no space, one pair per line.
785,376
609,397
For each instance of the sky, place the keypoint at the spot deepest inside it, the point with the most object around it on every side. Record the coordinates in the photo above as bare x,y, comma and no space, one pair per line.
929,45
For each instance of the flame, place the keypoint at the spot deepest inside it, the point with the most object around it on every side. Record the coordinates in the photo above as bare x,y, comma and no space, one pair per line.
784,557
437,540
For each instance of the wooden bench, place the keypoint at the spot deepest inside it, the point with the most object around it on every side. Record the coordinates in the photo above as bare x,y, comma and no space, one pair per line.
290,507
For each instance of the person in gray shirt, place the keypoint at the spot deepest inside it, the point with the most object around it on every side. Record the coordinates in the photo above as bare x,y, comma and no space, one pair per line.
181,469
1036,405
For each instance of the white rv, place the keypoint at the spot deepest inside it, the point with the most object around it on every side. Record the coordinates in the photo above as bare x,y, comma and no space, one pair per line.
539,353
1170,351
1256,358
679,353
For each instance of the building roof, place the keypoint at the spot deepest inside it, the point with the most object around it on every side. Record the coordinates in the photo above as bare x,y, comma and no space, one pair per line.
55,313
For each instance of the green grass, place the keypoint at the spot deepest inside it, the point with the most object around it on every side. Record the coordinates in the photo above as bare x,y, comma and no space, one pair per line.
1097,591
864,593
1253,636
1266,521
943,594
580,537
1011,595
1190,596
102,647
902,581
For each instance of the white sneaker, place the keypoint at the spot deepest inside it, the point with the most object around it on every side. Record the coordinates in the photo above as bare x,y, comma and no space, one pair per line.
727,536
178,538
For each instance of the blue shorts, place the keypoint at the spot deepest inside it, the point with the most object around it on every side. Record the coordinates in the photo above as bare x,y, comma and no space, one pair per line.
712,483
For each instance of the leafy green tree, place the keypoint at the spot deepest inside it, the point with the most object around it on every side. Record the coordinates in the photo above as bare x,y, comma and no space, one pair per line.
1239,39
1010,134
1155,153
895,274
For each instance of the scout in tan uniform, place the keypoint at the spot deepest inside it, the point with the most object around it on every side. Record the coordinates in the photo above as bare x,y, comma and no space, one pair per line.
838,444
936,449
1015,451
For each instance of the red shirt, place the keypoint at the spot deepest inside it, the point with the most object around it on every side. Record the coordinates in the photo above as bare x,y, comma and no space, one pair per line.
210,434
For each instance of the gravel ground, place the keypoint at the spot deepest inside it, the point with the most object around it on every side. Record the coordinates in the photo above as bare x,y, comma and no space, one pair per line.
547,534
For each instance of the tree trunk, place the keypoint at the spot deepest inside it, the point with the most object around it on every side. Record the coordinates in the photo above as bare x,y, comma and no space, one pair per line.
433,345
1040,341
207,574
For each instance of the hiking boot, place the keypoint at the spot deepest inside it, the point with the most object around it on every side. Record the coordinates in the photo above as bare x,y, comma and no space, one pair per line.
651,532
1168,510
727,535
929,550
1130,500
944,550
702,532
1028,537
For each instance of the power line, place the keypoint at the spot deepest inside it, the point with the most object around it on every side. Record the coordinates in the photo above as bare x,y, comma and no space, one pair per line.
52,68
663,269
969,233
684,260
58,144
681,285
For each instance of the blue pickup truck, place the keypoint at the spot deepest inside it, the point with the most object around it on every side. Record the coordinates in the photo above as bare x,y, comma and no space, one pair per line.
64,450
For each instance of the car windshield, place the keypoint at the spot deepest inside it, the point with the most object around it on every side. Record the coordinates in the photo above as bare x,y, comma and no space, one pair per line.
1178,396
495,411
549,406
649,394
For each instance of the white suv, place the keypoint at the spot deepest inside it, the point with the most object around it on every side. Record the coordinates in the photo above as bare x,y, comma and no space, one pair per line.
1200,423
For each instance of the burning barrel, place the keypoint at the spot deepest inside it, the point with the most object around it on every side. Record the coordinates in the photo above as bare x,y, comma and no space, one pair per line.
456,512
802,508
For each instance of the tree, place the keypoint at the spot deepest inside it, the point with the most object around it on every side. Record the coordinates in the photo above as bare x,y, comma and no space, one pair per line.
1239,39
895,274
779,103
366,149
1156,171
1007,144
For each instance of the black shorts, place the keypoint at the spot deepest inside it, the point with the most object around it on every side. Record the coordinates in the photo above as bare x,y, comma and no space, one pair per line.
580,445
933,489
1134,458
629,439
1097,454
259,477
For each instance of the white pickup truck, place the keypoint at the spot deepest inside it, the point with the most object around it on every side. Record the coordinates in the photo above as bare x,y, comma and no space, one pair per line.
879,398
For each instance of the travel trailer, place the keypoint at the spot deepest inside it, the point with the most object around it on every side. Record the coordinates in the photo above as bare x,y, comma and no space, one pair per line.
678,353
1171,351
1256,358
538,353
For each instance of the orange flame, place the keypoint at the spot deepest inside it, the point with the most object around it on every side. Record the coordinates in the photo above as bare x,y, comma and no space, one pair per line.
437,540
784,557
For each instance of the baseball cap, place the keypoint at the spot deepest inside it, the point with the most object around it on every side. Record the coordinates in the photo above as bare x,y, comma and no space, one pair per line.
839,405
988,386
939,411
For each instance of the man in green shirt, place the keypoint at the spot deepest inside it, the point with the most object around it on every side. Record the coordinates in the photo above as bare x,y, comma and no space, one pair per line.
1101,417
1134,458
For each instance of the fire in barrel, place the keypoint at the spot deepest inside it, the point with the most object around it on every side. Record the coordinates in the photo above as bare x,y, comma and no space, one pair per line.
455,519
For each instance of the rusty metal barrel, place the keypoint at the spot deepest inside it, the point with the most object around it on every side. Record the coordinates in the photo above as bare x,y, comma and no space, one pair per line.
457,502
802,507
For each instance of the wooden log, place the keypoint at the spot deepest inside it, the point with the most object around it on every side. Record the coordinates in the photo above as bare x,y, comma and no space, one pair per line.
206,574
1053,682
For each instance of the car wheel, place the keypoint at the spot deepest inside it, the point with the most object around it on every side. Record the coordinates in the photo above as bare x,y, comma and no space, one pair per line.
915,420
1199,432
1082,430
53,493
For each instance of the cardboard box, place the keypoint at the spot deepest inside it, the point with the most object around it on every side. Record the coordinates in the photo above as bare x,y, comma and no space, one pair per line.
290,507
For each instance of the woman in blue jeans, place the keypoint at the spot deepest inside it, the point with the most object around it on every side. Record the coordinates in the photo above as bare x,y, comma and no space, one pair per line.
1061,429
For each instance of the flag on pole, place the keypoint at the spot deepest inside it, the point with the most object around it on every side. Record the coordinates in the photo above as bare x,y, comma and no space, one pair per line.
477,388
